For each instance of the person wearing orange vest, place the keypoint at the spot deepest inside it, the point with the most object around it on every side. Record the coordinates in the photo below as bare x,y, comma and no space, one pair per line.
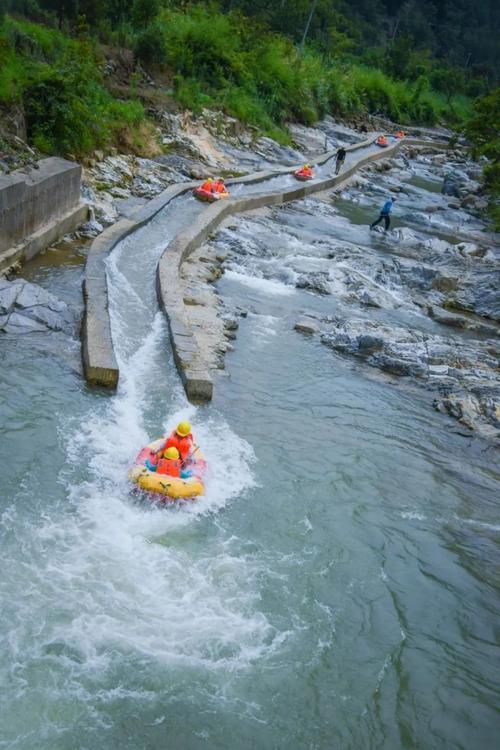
219,186
180,438
208,185
306,170
170,464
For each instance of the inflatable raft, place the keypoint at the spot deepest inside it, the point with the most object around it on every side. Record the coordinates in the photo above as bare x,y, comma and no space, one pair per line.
299,175
382,141
207,195
162,486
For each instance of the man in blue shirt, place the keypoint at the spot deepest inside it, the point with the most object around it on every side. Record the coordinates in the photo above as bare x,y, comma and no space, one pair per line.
385,214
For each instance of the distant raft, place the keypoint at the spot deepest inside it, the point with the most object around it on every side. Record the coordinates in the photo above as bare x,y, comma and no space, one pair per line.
163,486
303,175
382,141
208,196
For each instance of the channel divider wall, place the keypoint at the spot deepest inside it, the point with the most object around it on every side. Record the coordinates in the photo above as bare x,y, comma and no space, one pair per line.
99,360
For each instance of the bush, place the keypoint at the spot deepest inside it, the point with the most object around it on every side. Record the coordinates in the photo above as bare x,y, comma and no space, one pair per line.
150,47
58,81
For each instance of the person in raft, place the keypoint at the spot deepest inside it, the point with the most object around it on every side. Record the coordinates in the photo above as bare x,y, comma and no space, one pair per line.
341,154
306,170
385,214
170,464
180,438
208,185
219,186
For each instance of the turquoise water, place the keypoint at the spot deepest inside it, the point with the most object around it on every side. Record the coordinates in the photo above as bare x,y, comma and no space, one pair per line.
337,587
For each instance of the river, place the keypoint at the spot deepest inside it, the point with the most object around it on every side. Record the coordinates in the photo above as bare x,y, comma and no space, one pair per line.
337,587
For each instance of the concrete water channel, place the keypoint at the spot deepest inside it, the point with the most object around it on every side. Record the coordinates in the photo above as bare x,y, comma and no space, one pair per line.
290,607
182,236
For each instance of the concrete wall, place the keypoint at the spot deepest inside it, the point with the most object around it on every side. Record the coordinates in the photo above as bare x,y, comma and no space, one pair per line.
99,362
33,197
195,377
100,366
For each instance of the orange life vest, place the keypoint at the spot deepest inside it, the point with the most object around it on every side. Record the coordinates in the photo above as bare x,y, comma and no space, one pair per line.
170,466
183,444
207,186
219,187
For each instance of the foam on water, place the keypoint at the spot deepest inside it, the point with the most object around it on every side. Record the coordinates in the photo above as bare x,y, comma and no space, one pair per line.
108,578
268,286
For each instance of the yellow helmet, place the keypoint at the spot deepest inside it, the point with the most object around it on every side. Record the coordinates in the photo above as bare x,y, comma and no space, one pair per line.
306,166
210,179
171,453
183,429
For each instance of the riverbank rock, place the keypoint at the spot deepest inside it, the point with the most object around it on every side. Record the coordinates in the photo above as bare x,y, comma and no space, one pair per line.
306,325
28,308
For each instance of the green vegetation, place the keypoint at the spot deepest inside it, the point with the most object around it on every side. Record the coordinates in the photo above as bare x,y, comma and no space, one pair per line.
265,80
264,63
483,129
57,80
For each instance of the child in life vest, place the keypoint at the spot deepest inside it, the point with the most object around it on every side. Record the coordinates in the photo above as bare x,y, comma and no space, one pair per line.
169,463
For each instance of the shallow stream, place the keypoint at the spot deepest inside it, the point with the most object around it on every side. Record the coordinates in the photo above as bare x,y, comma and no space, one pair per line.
337,587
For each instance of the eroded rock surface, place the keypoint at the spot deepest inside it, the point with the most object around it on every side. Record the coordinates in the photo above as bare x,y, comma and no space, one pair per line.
419,303
28,308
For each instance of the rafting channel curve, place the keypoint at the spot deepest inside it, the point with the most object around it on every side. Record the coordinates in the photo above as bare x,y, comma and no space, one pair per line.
99,360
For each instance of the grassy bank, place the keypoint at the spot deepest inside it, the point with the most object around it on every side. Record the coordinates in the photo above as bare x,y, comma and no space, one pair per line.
223,61
265,80
57,81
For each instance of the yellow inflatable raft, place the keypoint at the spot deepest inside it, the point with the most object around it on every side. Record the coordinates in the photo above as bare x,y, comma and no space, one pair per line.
164,485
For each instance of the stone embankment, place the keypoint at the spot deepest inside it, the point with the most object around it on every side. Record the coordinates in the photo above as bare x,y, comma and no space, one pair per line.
416,307
38,205
190,354
100,364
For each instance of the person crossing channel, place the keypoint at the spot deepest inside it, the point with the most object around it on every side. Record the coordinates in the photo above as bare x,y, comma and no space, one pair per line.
385,214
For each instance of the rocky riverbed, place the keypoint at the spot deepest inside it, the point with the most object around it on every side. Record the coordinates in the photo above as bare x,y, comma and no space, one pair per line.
420,303
116,184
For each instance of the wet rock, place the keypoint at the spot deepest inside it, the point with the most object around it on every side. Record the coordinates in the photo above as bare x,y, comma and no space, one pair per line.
474,411
17,323
478,292
410,352
28,308
230,322
371,299
314,282
90,229
450,186
447,318
305,325
398,365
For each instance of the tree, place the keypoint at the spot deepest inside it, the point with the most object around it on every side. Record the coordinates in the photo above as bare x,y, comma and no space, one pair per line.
450,81
483,130
144,12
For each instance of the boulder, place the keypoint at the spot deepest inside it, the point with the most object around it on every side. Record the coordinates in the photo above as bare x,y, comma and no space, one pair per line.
28,308
306,325
314,282
450,186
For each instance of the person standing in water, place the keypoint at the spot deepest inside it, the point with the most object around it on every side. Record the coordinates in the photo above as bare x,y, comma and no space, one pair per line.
385,214
341,154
